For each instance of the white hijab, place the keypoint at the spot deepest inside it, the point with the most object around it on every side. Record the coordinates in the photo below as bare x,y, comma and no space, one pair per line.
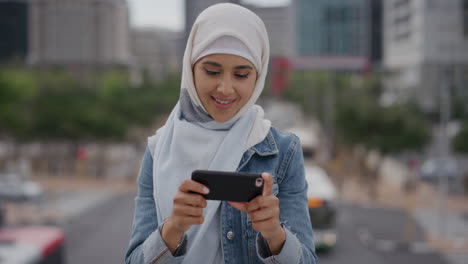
191,139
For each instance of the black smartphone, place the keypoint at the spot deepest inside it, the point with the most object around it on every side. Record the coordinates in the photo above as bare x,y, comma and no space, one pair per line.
230,186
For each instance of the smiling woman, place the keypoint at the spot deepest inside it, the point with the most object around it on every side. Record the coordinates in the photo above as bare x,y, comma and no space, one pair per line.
216,126
224,84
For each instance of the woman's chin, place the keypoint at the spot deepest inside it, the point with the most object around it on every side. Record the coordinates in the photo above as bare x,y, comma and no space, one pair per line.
222,116
222,119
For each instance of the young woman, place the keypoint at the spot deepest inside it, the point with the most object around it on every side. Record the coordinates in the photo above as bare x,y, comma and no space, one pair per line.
216,126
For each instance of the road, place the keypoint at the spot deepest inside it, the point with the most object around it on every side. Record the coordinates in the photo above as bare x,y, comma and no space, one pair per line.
101,236
376,235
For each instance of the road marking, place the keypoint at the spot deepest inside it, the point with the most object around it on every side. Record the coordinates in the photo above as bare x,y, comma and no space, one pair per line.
384,245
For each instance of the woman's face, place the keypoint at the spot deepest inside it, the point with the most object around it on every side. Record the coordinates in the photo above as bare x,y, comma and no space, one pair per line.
224,84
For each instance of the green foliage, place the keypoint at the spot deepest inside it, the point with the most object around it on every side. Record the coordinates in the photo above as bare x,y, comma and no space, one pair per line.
17,90
16,85
308,89
75,114
459,108
460,112
54,105
390,130
359,118
460,142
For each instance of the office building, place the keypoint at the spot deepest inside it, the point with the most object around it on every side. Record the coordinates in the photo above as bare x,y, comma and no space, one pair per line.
13,30
426,49
156,52
79,33
339,28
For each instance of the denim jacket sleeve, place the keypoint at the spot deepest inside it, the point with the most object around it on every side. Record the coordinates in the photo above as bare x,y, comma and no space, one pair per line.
299,246
146,244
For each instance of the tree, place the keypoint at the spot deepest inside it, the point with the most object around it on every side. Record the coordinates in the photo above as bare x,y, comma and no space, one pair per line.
460,142
54,105
391,130
17,90
360,119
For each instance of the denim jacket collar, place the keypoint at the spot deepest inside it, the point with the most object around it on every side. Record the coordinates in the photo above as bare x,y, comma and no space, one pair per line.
267,147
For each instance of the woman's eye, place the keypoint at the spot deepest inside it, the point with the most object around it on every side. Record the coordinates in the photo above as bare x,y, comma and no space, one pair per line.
211,72
242,75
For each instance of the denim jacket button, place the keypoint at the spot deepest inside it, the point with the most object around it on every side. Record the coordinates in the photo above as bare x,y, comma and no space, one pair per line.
230,235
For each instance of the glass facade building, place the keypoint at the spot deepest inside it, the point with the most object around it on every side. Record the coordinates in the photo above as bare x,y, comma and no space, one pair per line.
339,28
13,30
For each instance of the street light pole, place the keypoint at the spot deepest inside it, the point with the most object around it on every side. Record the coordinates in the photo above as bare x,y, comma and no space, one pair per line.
330,112
445,72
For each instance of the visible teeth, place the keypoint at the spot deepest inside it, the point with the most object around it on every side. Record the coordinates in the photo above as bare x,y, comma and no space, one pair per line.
222,102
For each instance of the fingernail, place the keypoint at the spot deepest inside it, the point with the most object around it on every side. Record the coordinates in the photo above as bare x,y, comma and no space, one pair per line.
205,190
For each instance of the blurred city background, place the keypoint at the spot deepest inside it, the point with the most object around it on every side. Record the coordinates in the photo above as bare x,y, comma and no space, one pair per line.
376,90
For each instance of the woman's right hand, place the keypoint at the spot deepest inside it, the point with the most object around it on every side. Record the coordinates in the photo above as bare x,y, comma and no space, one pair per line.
187,211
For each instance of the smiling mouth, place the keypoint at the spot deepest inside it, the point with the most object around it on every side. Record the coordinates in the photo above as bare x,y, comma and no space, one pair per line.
223,103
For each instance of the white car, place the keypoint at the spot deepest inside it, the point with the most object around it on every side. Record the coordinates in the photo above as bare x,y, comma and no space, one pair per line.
433,169
14,189
321,195
309,140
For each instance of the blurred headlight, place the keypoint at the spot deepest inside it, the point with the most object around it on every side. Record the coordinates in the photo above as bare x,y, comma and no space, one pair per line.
315,202
329,238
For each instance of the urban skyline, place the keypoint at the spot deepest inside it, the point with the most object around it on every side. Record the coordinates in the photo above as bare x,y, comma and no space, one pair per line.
300,30
170,14
426,44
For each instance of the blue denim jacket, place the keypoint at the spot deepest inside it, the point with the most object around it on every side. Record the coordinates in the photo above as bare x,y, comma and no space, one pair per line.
279,154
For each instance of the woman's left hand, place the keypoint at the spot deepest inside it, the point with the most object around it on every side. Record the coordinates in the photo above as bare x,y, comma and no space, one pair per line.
264,213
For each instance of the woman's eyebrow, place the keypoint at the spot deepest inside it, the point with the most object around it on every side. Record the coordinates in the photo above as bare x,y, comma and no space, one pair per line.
212,63
240,67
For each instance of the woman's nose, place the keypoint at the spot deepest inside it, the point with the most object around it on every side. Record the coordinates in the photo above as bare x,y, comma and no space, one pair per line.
225,85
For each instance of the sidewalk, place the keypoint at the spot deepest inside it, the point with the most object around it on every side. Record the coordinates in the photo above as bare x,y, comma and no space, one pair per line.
444,223
64,198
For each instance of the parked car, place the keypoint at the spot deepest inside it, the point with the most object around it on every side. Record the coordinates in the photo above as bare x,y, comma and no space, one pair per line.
32,245
321,191
14,189
27,244
434,169
309,141
322,208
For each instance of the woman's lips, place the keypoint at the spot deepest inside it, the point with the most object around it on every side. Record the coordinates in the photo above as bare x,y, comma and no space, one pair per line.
223,105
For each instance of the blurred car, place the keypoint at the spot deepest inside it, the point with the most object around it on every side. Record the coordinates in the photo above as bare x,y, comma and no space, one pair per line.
27,244
321,191
13,189
32,245
434,168
322,209
309,141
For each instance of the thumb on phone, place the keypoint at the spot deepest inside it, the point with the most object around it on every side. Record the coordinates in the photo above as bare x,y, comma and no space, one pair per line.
268,184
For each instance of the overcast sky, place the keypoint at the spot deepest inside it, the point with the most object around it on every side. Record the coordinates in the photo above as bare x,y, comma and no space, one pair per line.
170,13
